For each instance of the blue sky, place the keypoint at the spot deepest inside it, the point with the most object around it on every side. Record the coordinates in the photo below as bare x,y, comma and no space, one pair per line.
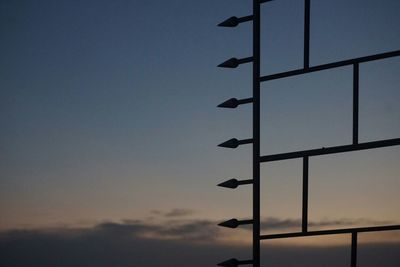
108,111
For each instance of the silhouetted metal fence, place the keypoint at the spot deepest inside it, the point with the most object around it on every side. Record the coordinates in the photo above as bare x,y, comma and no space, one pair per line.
305,154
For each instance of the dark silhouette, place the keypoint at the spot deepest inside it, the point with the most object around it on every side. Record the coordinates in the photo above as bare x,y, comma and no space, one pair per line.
123,245
255,140
234,183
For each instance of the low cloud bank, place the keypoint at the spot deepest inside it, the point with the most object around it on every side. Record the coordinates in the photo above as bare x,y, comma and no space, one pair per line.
188,243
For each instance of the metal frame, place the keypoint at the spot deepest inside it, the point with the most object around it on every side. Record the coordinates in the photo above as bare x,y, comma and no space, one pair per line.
305,154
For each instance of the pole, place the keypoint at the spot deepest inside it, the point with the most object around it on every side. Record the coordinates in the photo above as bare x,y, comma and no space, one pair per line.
304,221
356,75
306,34
354,249
256,133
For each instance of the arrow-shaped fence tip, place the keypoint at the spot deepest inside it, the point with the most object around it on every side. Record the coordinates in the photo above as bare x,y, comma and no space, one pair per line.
231,143
231,22
230,63
232,183
232,223
230,103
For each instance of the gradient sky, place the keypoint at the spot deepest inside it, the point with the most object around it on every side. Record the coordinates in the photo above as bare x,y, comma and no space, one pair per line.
108,111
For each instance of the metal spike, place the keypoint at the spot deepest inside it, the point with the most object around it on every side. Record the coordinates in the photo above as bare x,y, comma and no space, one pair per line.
231,22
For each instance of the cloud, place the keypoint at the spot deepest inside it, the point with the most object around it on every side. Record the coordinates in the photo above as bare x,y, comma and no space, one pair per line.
206,231
128,244
156,212
193,230
179,213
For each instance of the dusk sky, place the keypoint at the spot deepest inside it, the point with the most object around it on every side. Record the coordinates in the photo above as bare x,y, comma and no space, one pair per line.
109,129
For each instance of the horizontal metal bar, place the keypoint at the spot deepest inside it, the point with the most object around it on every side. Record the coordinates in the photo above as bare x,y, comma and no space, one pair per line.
265,1
246,18
331,150
246,262
245,141
242,222
333,232
242,182
245,60
329,66
245,101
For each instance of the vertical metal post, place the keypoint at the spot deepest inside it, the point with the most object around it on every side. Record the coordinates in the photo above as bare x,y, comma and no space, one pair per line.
306,34
354,249
256,133
304,221
356,71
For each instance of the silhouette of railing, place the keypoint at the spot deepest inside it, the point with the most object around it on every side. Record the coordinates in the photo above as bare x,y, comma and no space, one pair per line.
305,154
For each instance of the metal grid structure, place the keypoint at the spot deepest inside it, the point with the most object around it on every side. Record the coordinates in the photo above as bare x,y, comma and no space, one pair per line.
305,154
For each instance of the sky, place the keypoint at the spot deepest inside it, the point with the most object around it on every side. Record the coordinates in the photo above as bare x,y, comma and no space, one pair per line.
109,128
